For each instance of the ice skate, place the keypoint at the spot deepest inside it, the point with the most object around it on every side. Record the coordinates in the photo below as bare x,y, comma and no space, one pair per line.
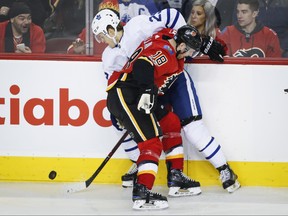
144,199
228,178
129,177
181,185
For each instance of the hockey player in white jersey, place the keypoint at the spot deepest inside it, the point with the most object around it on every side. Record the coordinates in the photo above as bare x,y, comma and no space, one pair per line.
123,42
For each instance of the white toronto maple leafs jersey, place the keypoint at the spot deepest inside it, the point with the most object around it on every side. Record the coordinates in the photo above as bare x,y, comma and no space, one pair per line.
136,30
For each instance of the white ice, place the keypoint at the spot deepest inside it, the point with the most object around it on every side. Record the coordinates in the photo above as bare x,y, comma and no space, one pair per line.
100,199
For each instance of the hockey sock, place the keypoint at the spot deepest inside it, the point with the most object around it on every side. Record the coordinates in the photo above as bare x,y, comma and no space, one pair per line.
198,135
150,152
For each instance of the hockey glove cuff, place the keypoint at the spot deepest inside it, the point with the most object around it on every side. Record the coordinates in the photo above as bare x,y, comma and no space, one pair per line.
213,49
147,100
116,123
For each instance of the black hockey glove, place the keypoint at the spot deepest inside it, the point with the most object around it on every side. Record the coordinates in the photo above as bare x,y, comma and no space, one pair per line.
147,99
213,49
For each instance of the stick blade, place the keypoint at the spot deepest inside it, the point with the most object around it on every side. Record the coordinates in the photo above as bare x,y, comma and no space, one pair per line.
75,187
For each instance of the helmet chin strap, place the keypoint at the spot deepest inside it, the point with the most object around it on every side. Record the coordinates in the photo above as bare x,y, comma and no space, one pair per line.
114,41
113,38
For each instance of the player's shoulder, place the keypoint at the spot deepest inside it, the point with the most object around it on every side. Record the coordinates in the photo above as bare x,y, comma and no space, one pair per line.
169,32
164,34
113,56
108,51
109,54
163,45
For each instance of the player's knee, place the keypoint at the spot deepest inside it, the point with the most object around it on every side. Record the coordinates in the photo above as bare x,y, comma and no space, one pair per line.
197,134
171,128
150,149
170,123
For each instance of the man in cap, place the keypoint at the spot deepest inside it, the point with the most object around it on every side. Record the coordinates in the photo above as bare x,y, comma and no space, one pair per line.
19,34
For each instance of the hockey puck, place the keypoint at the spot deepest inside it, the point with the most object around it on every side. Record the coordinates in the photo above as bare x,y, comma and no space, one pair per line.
52,175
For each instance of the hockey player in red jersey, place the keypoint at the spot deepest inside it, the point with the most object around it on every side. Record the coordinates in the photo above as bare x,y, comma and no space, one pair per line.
132,99
123,41
248,37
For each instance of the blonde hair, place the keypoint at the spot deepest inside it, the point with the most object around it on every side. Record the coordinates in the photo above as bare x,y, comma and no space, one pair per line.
210,22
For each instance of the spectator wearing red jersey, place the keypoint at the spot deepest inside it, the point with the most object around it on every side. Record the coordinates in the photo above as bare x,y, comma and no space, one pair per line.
249,37
19,34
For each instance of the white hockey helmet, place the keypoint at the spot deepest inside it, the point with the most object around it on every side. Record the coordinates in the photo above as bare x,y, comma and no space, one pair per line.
102,20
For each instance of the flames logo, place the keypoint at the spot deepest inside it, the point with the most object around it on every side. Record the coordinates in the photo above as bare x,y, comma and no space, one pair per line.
193,33
252,52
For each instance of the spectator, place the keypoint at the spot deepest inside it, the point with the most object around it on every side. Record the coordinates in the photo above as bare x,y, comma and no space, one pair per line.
203,17
40,9
223,9
274,14
249,37
19,34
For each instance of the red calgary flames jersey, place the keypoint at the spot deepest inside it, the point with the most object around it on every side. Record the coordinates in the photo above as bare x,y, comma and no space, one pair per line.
163,57
262,42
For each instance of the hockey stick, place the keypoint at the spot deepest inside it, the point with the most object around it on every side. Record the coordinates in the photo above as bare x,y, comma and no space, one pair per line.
83,185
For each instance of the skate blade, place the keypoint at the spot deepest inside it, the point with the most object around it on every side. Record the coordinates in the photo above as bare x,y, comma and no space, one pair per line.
152,205
177,192
233,187
127,184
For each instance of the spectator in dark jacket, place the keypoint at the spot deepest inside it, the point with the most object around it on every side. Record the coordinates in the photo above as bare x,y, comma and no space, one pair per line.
19,34
40,9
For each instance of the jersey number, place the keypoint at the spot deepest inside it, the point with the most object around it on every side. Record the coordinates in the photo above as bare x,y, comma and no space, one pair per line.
156,17
159,58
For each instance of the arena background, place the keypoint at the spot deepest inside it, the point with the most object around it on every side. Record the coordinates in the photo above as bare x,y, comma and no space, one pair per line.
53,116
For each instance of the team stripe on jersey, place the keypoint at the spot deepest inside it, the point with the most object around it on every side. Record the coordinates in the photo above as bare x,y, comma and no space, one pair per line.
146,168
175,20
193,103
129,113
175,153
154,125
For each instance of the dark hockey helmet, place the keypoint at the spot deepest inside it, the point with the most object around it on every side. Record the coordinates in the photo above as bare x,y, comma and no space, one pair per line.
190,36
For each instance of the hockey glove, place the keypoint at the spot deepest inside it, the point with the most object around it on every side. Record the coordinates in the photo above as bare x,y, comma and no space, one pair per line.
213,49
116,123
147,100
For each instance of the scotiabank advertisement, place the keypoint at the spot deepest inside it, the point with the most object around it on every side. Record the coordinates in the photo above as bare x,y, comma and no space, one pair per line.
54,108
58,109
